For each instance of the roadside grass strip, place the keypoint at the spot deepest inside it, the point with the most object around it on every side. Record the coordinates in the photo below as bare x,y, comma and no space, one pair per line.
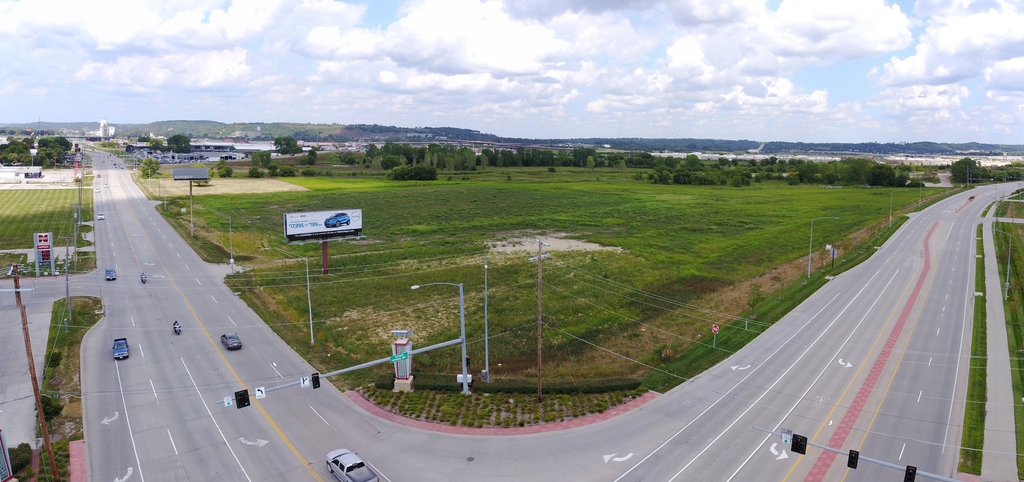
973,439
1015,335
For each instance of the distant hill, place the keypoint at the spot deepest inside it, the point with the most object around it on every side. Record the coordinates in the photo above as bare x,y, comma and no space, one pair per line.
266,131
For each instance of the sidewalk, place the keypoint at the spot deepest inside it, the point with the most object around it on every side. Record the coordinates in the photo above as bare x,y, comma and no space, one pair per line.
76,462
365,404
999,461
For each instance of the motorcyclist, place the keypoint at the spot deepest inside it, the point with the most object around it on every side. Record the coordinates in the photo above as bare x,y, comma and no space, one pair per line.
176,326
143,277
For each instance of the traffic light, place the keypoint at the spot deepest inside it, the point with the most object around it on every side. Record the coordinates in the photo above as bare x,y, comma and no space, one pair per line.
910,474
242,398
799,445
854,458
316,380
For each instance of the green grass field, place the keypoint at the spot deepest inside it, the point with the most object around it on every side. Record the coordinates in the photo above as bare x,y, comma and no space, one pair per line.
1014,308
680,244
32,211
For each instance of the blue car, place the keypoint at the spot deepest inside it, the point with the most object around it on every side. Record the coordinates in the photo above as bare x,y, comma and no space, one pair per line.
337,221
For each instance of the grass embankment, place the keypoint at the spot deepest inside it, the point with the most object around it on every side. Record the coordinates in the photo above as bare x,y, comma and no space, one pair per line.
61,384
973,439
688,256
1014,308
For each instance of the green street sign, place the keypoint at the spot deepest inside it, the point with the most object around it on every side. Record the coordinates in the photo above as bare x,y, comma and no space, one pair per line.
400,356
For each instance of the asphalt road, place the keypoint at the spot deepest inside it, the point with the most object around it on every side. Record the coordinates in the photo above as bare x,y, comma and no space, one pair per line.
886,338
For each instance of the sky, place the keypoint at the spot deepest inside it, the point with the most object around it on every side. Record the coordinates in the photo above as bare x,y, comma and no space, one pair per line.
775,70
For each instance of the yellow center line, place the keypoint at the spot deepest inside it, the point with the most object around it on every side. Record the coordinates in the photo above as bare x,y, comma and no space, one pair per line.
864,362
220,352
895,370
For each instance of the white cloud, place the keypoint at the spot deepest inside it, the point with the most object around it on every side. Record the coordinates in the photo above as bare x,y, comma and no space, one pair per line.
138,73
919,100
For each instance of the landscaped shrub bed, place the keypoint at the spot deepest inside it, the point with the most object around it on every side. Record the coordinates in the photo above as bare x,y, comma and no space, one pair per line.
496,409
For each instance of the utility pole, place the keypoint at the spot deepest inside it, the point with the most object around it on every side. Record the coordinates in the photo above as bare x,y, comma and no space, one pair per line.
32,373
67,284
540,311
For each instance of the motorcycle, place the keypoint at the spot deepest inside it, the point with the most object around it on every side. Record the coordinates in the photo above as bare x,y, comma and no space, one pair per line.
143,279
177,330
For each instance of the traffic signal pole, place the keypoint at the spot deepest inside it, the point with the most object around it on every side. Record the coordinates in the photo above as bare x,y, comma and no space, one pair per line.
862,458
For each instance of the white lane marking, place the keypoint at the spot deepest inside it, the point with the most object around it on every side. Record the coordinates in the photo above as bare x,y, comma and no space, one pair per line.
142,352
937,331
107,420
129,422
126,476
737,367
919,396
178,255
232,321
214,299
901,450
172,442
822,372
154,392
197,281
214,420
133,320
274,366
325,421
929,361
259,442
186,266
959,356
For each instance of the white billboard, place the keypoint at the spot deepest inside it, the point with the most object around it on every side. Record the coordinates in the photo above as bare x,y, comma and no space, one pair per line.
323,224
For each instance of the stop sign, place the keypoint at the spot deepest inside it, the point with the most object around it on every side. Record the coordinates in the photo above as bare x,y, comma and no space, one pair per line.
714,328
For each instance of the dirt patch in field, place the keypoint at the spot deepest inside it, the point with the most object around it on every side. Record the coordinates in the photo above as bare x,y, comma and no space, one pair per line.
218,186
557,242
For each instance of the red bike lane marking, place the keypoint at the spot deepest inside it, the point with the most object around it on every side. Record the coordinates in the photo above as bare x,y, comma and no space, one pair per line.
825,458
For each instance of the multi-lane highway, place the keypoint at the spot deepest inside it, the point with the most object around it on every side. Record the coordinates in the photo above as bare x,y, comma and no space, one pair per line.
875,361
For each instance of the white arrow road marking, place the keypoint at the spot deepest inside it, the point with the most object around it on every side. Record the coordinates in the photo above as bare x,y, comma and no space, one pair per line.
737,367
613,457
106,421
776,452
259,442
846,364
129,474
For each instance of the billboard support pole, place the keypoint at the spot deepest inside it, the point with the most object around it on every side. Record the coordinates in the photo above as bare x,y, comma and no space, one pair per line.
323,256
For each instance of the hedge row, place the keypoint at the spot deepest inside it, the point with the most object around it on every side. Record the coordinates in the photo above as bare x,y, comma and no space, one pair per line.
446,383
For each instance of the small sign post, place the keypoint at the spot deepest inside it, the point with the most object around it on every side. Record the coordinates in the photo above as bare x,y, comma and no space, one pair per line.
714,341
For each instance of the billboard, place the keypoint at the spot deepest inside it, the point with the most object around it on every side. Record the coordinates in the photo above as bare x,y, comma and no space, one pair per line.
323,224
44,251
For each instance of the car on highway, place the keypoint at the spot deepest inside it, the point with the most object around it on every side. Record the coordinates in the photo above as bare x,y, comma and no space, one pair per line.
100,217
96,190
346,466
120,348
231,341
106,185
111,275
337,221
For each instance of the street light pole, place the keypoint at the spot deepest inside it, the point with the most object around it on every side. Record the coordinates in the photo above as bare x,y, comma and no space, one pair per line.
810,244
1009,251
890,208
487,352
231,242
309,299
462,329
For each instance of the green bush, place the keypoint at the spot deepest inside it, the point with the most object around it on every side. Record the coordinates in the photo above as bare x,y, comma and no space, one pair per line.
54,360
51,407
255,172
21,457
445,382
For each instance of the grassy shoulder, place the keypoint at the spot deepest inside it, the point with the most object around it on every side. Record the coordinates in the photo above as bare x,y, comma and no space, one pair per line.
973,439
61,385
1014,308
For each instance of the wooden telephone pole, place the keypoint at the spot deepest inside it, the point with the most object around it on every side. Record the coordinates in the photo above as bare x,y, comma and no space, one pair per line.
32,373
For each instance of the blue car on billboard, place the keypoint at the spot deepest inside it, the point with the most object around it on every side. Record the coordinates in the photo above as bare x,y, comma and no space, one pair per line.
337,221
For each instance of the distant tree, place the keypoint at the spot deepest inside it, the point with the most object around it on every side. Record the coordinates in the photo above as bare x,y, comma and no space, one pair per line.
310,158
287,171
390,162
45,156
56,143
960,168
261,158
287,145
881,175
150,167
156,145
179,143
372,150
255,172
272,170
225,171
